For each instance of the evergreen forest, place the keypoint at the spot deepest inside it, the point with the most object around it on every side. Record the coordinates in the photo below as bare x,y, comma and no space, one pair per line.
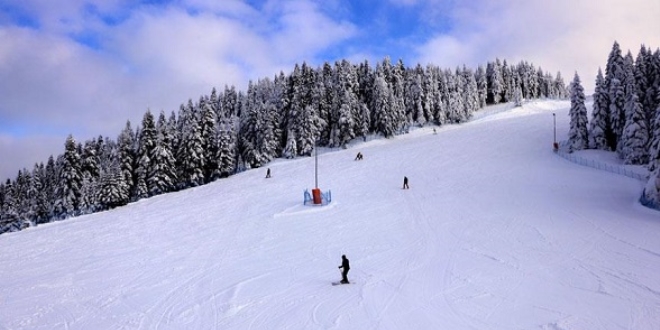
288,115
625,117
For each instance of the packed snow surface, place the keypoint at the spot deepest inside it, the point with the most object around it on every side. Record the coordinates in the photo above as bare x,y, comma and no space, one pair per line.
495,232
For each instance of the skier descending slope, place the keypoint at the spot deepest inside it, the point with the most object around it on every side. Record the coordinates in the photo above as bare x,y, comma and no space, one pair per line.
346,267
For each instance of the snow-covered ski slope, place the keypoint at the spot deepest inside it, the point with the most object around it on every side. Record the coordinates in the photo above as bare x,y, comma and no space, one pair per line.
496,232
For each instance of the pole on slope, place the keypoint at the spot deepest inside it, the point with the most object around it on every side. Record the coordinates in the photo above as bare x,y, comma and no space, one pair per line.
316,192
555,146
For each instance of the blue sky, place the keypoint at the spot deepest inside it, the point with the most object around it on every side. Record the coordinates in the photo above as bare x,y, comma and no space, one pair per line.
84,67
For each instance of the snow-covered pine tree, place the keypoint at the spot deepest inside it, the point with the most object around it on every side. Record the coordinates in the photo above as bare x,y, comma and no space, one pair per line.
325,89
614,84
414,97
146,144
640,73
397,85
616,96
209,137
38,194
599,127
651,194
68,196
258,138
113,191
190,158
319,101
383,121
533,82
362,114
21,196
517,96
162,178
229,102
51,180
559,86
632,147
654,144
508,78
227,147
429,87
455,100
482,85
126,157
343,131
10,220
441,101
362,121
470,93
578,138
345,105
495,82
4,218
90,171
635,138
652,100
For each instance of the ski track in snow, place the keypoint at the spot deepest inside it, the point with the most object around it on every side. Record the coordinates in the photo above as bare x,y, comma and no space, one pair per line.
495,232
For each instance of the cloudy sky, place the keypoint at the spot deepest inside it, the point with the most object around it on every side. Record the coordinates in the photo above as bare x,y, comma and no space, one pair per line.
85,67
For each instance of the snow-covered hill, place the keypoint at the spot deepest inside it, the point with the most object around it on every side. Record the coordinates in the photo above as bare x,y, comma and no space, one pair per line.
496,232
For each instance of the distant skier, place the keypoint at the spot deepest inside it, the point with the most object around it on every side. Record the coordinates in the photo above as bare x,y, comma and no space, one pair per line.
268,173
346,267
359,156
405,183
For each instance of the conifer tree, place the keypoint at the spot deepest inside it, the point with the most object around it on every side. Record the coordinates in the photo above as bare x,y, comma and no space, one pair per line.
10,220
651,194
614,84
517,96
654,143
190,158
162,178
414,97
113,191
227,148
209,138
68,197
383,120
495,82
578,138
635,137
126,157
146,145
482,86
600,130
470,93
38,194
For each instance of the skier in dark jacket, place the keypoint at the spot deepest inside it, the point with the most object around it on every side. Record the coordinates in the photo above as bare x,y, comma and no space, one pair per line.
346,267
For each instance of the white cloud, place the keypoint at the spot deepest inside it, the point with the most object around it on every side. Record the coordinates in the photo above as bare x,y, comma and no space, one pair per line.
154,57
564,35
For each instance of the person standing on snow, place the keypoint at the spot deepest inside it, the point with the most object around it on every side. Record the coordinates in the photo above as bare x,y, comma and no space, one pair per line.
346,267
405,183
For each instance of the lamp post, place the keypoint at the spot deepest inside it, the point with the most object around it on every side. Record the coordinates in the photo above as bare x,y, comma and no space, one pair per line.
316,166
555,146
316,192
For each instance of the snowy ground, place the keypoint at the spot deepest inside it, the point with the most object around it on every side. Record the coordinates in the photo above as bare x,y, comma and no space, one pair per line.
496,232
